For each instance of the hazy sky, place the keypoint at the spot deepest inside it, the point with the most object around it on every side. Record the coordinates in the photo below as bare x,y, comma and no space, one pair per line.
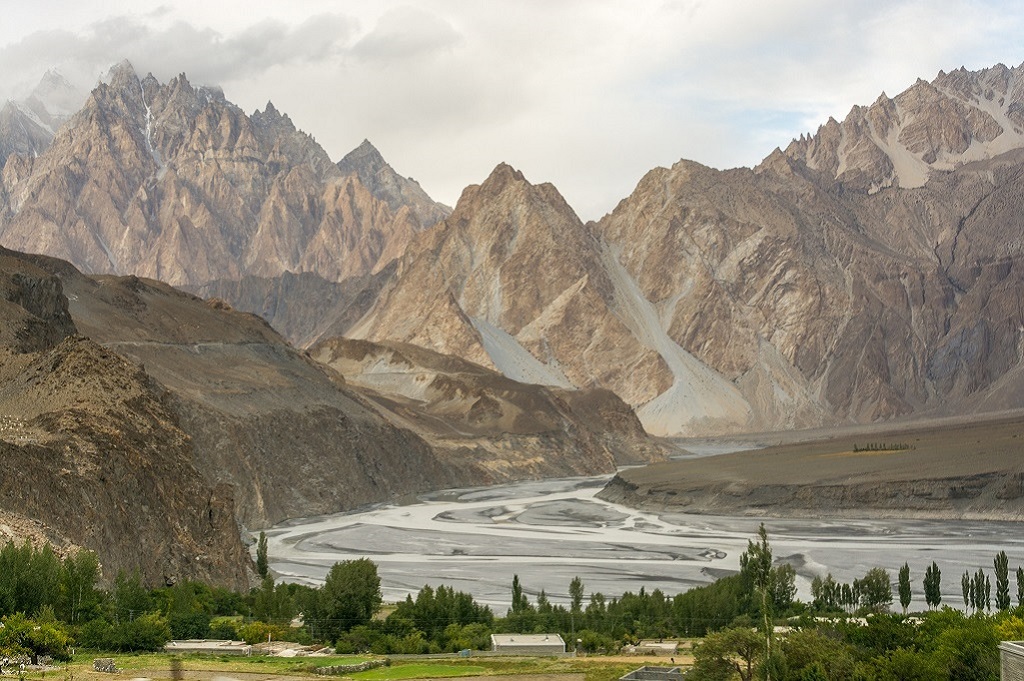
587,94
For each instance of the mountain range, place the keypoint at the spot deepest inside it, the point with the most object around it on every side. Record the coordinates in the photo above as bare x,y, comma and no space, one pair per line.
869,271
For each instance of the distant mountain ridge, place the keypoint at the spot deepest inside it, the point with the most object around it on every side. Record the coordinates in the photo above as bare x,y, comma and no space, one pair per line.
27,126
959,117
866,272
175,182
809,290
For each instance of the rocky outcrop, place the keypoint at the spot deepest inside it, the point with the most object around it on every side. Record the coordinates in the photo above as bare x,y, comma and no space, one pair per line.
484,423
262,417
94,454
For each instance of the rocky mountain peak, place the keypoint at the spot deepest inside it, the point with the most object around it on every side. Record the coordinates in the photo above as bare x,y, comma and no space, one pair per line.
122,75
365,156
502,175
377,175
27,127
174,182
959,117
56,96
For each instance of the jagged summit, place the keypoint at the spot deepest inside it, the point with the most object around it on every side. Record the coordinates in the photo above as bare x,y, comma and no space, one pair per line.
502,174
269,111
367,163
363,156
176,183
27,127
959,117
121,74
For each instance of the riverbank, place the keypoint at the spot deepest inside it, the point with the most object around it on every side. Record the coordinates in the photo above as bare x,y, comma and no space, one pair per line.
956,469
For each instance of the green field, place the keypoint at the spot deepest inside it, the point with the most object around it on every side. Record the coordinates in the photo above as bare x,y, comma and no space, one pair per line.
414,670
199,666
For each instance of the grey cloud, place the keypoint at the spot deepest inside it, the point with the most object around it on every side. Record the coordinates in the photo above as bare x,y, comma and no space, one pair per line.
407,33
204,54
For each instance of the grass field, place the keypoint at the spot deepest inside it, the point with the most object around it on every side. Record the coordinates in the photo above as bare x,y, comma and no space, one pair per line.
197,667
421,671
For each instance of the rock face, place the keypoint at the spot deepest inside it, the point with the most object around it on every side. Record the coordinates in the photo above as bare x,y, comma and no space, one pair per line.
93,453
959,117
480,421
366,163
174,182
262,417
822,286
303,307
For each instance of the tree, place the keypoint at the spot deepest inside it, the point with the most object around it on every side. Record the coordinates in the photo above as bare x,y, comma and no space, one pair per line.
576,595
722,654
782,587
816,672
965,584
980,591
79,598
758,577
520,603
827,592
1020,585
149,632
45,636
876,590
272,603
906,665
1002,569
933,585
349,597
807,648
129,598
904,587
262,564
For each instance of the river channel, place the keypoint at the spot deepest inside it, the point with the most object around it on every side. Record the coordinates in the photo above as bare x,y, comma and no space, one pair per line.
547,532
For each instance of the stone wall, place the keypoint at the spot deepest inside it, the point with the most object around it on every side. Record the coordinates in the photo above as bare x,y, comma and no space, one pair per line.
346,669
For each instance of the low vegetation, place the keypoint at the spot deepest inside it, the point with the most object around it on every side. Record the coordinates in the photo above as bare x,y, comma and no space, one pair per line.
50,606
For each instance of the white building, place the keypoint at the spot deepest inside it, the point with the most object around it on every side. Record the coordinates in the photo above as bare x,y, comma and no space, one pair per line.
527,644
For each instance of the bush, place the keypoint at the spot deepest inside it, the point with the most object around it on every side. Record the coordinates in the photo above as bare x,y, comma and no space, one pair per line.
189,625
223,628
256,632
146,633
149,632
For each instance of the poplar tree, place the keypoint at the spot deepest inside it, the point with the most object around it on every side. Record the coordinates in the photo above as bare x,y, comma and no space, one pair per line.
1020,585
262,563
904,587
1002,568
933,585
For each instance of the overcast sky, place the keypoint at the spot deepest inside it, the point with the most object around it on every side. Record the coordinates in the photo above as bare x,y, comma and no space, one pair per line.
586,94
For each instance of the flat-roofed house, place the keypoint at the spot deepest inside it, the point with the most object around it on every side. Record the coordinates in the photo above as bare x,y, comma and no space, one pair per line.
1011,660
527,644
